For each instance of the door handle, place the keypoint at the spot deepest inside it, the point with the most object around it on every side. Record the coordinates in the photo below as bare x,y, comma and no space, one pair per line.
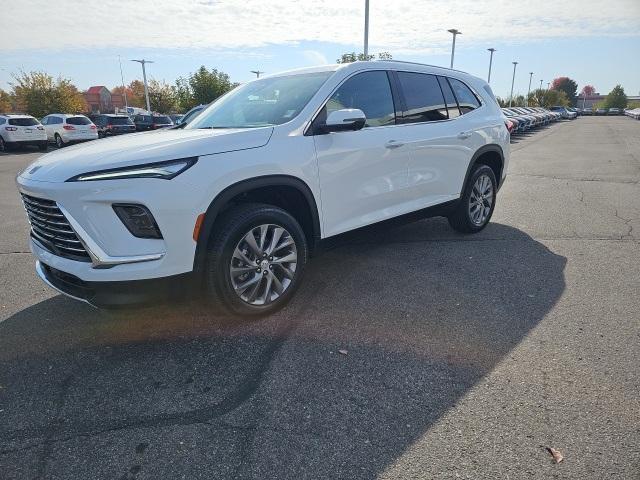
393,144
464,135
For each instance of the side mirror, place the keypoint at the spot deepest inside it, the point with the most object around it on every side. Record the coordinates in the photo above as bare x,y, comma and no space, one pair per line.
344,120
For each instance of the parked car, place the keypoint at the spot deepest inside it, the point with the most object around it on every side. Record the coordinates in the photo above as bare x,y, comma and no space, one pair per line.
613,111
231,200
19,130
111,124
601,111
587,111
633,113
151,122
568,114
176,118
63,129
191,114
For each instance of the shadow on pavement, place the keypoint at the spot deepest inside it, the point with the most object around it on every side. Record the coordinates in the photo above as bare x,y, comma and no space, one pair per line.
420,315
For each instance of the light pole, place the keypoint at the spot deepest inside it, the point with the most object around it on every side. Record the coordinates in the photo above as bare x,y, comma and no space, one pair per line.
513,79
124,90
540,84
490,62
144,76
548,85
453,45
257,72
529,91
366,29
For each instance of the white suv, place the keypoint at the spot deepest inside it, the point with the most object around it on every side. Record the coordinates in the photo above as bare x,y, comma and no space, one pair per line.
63,129
240,197
21,130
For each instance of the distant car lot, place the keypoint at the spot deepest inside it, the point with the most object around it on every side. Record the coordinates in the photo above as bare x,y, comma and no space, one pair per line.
404,344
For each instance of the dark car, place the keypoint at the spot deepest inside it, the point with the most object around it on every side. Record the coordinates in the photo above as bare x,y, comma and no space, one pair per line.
151,122
110,124
614,111
191,114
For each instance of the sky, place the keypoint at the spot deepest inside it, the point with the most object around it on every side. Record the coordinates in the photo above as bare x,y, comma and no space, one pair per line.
594,42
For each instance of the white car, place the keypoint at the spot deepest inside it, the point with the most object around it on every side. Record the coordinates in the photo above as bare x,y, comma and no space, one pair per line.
238,199
63,129
21,130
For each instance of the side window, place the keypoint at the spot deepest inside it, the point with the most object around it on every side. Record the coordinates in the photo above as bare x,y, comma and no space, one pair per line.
423,97
466,99
371,93
55,120
2,121
44,121
449,98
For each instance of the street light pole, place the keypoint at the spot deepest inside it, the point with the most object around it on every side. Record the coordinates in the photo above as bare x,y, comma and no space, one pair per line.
144,76
529,91
124,90
513,79
490,62
453,45
366,29
540,84
257,72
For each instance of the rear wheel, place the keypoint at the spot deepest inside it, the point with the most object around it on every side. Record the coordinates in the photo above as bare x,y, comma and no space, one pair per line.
3,145
59,142
477,202
255,260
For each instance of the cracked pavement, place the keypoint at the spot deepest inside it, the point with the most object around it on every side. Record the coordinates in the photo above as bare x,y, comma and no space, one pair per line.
466,355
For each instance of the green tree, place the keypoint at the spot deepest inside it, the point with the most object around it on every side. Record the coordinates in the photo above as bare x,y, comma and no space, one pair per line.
201,87
547,98
568,86
616,98
354,57
162,97
6,105
37,94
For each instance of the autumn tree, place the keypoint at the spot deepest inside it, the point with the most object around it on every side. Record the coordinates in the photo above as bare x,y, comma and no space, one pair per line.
542,97
37,94
354,57
588,91
568,86
201,87
5,102
616,98
162,97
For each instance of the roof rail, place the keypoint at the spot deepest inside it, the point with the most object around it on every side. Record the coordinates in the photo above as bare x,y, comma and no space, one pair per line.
418,63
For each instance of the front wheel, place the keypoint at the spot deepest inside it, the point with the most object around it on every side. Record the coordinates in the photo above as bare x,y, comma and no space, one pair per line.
477,202
255,260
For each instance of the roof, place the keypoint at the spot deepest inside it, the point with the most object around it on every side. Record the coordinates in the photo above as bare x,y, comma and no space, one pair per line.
67,115
96,89
15,115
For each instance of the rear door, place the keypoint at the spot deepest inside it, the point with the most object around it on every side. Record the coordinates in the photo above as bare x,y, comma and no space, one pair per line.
363,173
25,128
439,139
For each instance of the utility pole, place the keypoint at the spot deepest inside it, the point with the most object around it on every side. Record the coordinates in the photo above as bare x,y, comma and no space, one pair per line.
257,72
490,62
124,90
366,29
513,79
453,46
143,62
529,91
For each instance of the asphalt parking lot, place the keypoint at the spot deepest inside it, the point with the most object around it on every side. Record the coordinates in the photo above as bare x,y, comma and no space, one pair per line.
414,353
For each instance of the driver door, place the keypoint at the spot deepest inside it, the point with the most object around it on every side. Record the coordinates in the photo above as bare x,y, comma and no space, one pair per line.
363,173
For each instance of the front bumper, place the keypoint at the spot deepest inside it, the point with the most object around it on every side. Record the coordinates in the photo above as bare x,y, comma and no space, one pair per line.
115,294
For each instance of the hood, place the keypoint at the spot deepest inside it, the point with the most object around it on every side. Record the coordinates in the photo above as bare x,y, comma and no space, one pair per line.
141,148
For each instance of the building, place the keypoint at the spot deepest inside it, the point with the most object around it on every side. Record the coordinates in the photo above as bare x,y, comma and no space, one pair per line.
590,100
100,100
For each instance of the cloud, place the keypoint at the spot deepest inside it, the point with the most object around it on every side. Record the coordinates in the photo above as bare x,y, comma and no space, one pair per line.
399,26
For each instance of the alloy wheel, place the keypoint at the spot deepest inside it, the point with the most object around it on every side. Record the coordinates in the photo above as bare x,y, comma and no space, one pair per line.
263,264
481,200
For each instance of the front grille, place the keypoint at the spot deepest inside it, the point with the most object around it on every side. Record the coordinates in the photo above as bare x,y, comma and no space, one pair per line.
50,228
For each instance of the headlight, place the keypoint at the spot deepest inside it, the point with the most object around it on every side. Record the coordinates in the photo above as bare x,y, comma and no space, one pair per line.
163,170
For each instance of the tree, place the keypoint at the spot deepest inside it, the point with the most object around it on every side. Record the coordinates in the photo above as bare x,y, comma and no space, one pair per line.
354,57
135,94
616,98
37,94
5,102
201,87
162,97
542,97
588,91
568,86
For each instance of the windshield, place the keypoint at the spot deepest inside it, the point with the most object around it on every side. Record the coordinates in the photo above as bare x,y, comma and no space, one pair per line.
161,119
78,121
23,122
270,101
120,121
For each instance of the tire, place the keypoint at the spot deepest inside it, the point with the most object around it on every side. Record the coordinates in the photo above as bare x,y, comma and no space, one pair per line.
229,249
44,146
3,145
466,218
59,142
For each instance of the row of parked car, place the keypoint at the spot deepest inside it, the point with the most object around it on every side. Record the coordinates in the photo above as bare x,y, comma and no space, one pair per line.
63,129
633,113
522,119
